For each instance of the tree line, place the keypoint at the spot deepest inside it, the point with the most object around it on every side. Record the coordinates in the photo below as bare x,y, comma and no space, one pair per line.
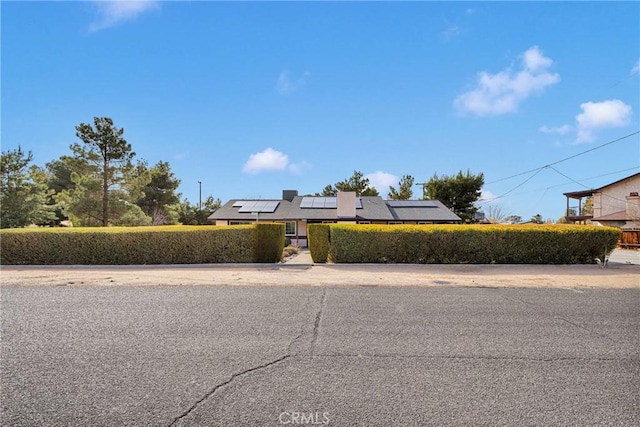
100,183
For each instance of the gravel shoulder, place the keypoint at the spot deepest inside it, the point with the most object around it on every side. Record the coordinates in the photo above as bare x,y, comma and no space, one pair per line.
616,275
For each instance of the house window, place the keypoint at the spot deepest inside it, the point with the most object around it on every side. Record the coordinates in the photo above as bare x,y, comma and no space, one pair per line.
364,222
394,222
328,222
290,228
239,222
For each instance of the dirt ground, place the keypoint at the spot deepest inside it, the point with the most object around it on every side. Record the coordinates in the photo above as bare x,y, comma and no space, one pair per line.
548,276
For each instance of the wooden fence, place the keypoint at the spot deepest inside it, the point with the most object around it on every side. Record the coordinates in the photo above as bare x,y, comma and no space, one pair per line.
630,239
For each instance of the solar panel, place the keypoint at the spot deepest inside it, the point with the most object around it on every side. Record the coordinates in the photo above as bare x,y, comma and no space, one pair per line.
239,203
316,202
266,206
411,203
271,206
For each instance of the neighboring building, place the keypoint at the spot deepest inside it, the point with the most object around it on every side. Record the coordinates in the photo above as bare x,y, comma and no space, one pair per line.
296,212
616,204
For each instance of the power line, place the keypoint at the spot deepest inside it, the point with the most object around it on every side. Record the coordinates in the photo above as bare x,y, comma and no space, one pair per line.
537,171
565,159
588,188
492,199
485,201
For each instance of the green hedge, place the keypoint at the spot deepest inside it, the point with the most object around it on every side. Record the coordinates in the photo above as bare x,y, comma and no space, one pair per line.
268,242
318,236
478,244
139,245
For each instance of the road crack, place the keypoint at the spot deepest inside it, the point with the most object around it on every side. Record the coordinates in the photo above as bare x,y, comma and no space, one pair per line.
290,353
316,323
229,381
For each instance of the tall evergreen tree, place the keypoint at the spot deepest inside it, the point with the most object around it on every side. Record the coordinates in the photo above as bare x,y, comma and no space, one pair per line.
459,193
356,183
405,189
159,194
106,149
23,191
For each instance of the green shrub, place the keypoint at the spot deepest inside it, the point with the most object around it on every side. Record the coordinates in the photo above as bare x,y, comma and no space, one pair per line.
485,244
318,236
268,242
139,245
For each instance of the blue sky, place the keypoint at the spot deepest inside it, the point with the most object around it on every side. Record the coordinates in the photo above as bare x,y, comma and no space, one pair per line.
255,97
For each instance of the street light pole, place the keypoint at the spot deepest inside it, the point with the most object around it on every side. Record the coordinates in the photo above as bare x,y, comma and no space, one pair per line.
423,185
200,196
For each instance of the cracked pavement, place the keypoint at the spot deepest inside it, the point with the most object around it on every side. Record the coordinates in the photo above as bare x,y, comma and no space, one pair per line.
269,356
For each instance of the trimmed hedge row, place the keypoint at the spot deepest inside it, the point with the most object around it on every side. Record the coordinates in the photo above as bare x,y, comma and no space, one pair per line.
142,245
475,244
268,242
318,236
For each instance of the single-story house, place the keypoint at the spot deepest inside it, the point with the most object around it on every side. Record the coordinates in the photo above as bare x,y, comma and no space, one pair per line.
616,204
296,212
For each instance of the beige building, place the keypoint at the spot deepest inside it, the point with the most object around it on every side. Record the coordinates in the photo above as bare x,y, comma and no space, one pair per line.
616,204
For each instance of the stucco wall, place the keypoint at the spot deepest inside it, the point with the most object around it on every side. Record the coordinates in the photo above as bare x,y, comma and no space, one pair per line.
612,199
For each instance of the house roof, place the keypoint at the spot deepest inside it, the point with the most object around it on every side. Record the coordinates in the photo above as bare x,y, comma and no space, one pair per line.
616,216
585,193
231,211
421,210
373,208
368,208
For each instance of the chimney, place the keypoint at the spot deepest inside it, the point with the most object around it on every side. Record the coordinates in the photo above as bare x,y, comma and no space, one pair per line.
346,204
633,206
288,195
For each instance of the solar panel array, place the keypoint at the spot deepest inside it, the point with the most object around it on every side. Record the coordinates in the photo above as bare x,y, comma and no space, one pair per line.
412,204
324,203
265,206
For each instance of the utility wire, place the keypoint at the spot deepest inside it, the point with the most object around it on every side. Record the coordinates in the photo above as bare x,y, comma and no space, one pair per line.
537,171
588,188
565,159
563,184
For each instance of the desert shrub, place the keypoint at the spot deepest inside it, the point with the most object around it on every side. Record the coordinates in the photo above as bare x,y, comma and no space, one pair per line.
318,236
137,245
290,250
504,244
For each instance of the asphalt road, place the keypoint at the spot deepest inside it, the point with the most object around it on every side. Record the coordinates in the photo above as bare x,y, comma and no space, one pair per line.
348,356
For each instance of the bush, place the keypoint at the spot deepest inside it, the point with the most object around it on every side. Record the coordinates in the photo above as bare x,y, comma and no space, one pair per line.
318,236
140,245
483,244
268,242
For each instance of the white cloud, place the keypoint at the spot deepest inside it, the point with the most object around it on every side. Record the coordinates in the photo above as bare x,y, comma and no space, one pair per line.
114,12
636,69
298,168
382,180
502,92
271,160
560,130
286,85
598,115
264,161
